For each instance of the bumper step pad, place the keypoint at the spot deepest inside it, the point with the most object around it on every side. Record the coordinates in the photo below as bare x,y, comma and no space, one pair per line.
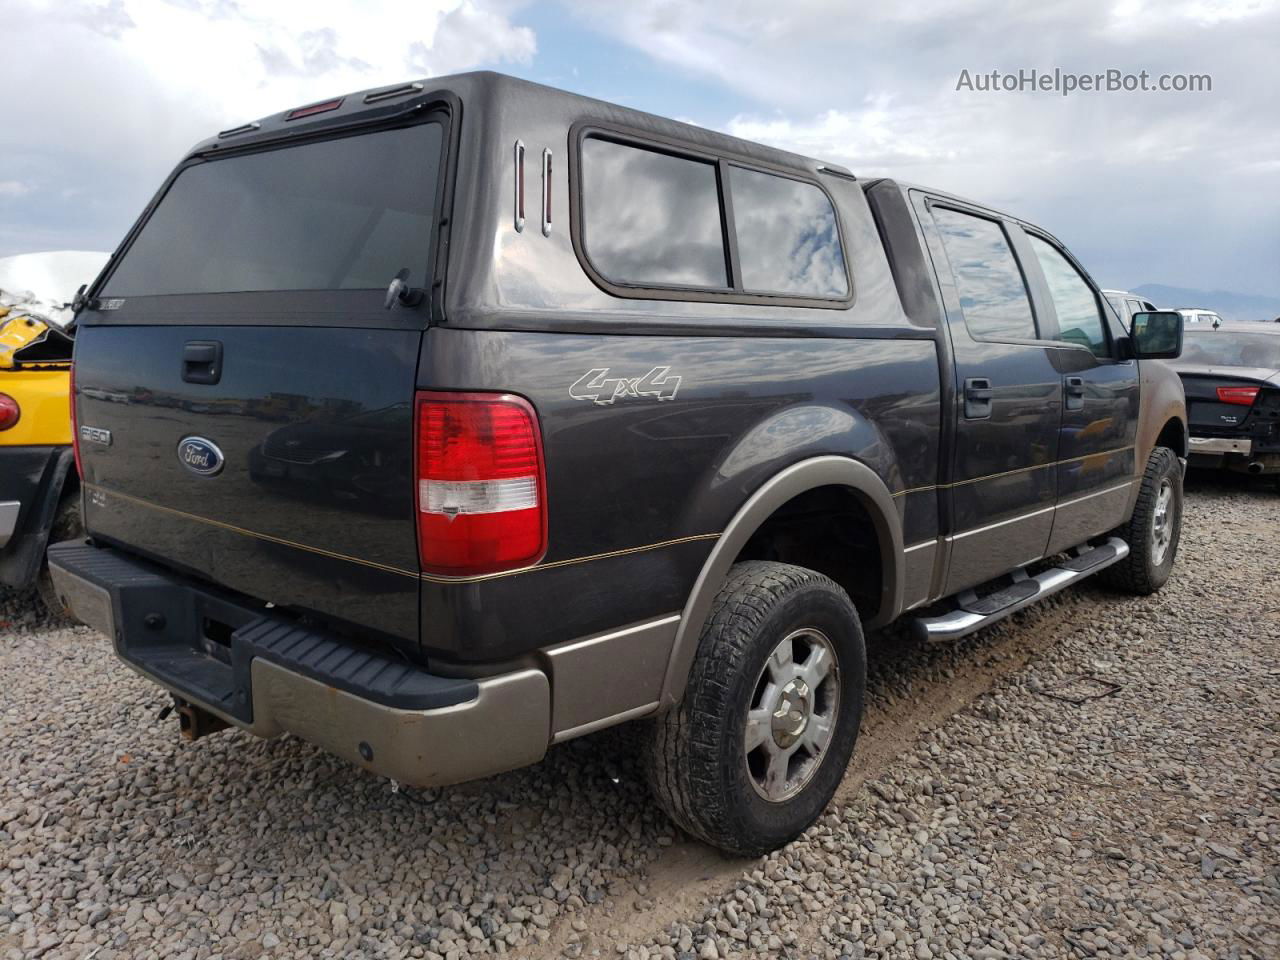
972,613
201,644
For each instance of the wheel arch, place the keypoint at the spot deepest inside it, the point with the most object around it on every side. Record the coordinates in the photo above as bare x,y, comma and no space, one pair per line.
1174,436
803,477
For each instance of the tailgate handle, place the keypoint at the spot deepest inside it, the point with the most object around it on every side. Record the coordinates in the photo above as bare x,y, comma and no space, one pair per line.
202,361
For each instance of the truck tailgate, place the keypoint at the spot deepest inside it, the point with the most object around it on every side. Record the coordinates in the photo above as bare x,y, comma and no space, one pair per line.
311,506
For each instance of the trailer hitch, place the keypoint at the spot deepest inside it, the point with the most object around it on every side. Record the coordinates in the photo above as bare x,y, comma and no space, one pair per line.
195,722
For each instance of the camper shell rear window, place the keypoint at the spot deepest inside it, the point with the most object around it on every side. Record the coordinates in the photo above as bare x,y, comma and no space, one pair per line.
337,214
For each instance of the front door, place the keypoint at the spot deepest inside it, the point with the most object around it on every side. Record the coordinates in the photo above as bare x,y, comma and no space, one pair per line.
1000,485
1101,396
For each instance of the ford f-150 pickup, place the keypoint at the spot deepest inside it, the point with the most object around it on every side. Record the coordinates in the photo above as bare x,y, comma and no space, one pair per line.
440,423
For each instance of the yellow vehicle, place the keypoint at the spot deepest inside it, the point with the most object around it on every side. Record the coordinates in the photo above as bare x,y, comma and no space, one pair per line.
39,485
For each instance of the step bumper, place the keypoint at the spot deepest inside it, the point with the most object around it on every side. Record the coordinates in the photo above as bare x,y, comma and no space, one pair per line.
271,676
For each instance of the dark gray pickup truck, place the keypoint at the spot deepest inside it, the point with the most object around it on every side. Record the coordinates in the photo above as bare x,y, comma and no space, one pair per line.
441,423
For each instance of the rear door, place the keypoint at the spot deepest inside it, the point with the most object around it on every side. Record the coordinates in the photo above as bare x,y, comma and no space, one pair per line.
1101,397
1002,483
244,399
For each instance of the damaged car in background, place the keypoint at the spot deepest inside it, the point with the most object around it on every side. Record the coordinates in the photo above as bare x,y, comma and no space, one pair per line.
1231,374
39,487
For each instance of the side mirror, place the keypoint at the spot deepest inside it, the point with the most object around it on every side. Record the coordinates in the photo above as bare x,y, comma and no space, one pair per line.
1157,335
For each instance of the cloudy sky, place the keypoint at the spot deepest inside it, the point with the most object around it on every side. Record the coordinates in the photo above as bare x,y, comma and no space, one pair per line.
1146,187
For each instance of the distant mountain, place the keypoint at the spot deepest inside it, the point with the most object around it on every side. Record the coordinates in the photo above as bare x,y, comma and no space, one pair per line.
1232,306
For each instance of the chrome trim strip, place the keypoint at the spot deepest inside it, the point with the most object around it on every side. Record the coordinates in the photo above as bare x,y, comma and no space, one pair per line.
243,128
546,192
574,645
921,545
953,537
1008,473
9,511
519,186
1097,493
594,725
400,91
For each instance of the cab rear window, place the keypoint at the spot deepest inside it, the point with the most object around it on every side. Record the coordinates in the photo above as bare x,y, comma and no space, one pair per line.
343,214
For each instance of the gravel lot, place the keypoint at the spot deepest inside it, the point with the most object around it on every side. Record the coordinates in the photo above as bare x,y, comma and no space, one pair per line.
984,815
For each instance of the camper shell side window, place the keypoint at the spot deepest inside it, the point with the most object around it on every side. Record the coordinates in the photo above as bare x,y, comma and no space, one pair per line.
657,219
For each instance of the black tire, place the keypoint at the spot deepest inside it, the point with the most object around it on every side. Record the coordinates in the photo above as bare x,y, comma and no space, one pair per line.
66,525
1143,572
695,754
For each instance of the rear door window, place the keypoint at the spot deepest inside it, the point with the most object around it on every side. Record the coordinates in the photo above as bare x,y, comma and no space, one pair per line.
993,295
651,218
344,214
787,236
1079,317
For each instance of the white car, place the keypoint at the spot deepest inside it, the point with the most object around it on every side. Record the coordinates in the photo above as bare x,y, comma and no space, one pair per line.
1200,315
1126,304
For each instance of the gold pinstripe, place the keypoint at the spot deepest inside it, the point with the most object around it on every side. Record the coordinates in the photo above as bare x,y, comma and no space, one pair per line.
431,578
232,528
1009,473
564,563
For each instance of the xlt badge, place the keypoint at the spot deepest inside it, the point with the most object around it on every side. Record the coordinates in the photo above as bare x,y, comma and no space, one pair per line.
200,456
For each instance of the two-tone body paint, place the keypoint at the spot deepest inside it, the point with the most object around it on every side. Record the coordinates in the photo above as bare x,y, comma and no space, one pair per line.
640,490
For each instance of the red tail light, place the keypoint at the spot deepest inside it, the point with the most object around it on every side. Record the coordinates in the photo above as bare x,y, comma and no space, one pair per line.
10,412
1244,396
482,501
75,430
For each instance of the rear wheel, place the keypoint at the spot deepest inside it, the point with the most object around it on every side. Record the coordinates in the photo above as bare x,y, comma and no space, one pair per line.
1153,530
757,747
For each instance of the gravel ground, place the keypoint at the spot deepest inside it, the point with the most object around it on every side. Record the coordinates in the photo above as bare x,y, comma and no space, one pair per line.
1099,775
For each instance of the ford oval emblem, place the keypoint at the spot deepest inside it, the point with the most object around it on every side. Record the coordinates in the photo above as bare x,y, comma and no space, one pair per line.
200,456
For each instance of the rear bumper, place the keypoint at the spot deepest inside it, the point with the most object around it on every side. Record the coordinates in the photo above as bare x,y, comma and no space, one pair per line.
1217,445
31,481
9,510
270,676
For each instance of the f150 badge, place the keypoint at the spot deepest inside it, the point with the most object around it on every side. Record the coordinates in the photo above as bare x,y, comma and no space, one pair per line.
600,388
200,456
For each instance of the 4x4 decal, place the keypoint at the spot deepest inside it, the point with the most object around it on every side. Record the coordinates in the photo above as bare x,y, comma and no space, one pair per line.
600,388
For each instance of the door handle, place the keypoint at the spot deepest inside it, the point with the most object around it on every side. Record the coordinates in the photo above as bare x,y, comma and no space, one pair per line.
1073,389
977,398
202,361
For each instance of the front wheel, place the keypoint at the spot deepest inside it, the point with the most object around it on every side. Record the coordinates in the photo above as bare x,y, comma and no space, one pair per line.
1153,530
759,744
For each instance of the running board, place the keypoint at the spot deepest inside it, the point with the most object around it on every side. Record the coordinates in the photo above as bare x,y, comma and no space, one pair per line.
973,612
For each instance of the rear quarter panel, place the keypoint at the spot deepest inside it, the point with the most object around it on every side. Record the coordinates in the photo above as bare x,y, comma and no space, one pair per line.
640,488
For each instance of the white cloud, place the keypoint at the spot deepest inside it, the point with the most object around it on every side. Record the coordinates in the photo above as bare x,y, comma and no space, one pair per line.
13,188
1146,186
109,93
